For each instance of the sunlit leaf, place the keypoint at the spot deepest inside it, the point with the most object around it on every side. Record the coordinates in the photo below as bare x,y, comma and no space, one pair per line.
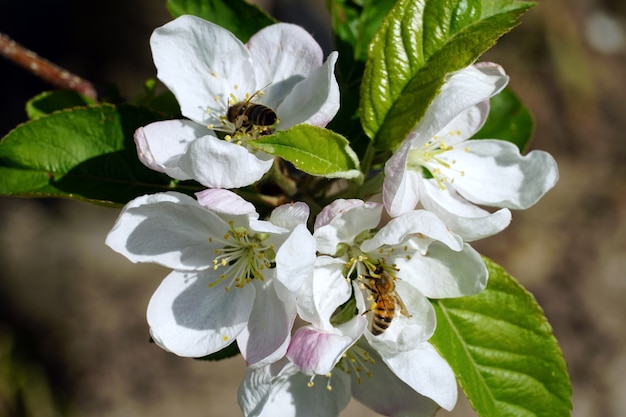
313,150
503,352
83,153
418,44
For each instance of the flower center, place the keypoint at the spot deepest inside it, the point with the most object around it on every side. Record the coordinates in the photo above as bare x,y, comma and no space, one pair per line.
243,256
245,120
430,159
355,363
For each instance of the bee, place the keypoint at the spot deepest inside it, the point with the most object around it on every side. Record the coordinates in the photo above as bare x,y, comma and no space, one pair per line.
246,115
386,300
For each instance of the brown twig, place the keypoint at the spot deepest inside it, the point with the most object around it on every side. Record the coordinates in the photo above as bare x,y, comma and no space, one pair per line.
44,69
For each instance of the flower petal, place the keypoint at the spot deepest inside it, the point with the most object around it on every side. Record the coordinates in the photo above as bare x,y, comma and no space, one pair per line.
226,202
290,215
462,90
404,332
348,218
462,217
169,229
219,164
291,395
295,258
202,64
282,51
401,228
314,100
160,144
424,370
316,353
190,319
444,273
266,338
254,390
496,174
400,187
381,390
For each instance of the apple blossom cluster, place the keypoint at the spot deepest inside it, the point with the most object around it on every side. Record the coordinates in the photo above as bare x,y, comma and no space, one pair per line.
342,309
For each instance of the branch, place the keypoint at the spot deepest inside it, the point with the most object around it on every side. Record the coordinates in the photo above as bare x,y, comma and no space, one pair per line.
44,69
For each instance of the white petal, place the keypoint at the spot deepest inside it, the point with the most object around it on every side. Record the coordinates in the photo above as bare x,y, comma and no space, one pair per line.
462,90
266,338
219,164
383,392
201,63
400,187
405,332
424,370
462,217
401,228
496,174
281,51
351,217
444,273
314,100
295,258
464,125
170,229
190,319
290,215
254,390
161,144
226,202
290,395
319,296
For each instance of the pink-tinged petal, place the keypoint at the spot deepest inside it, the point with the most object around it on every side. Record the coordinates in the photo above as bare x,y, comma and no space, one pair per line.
496,174
281,51
292,396
189,318
400,187
314,100
295,258
416,222
266,338
349,219
382,391
219,164
169,229
424,370
462,217
226,202
462,90
334,209
160,144
202,63
290,215
316,352
444,273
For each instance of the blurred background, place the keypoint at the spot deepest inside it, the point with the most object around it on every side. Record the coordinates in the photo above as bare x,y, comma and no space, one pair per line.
73,336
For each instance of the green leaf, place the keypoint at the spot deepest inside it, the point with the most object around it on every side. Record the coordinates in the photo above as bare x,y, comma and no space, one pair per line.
314,150
238,16
508,120
418,44
503,352
83,153
51,101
